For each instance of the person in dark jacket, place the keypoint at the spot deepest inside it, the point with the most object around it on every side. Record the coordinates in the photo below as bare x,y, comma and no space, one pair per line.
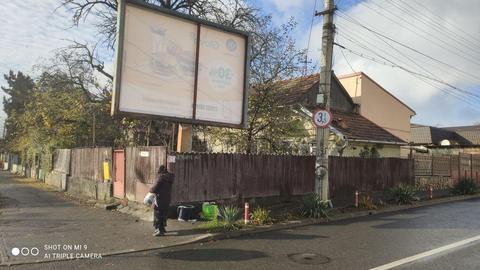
163,192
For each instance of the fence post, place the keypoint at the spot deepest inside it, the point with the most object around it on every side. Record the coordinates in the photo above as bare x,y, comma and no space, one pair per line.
459,167
471,166
450,165
431,168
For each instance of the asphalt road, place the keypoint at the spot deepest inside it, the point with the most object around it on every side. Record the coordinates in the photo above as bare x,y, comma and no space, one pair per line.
361,243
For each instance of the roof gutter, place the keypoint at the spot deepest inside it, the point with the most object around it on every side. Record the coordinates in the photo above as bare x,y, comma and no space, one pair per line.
379,142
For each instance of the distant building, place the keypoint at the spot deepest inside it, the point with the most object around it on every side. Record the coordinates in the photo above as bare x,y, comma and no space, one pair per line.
447,140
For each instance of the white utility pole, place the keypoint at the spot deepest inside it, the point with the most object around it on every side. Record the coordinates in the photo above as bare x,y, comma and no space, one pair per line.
323,99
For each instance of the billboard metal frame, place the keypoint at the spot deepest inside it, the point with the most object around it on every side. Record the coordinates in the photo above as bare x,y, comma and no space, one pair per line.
115,110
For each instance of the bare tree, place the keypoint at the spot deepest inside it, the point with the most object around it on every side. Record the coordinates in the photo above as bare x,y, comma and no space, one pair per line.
234,13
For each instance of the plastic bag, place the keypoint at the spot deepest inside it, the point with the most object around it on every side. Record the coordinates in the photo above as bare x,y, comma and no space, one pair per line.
149,199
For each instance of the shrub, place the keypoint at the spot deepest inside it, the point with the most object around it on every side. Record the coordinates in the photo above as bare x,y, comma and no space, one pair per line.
366,202
465,186
314,207
229,220
230,215
261,216
404,194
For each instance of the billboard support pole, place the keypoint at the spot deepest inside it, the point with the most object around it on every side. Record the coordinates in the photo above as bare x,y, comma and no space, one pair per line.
184,138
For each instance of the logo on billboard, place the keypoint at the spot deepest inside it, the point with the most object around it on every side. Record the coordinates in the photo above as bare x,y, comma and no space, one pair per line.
220,76
231,45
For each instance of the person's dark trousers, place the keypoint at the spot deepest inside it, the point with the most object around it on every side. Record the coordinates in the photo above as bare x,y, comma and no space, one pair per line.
160,219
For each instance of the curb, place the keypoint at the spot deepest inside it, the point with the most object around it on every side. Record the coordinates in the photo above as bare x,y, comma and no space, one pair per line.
207,237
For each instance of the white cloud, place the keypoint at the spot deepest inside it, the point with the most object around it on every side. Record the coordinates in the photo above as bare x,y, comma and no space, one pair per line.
32,29
432,105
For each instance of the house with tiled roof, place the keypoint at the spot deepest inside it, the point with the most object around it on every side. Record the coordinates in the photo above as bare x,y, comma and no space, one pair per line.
447,140
359,132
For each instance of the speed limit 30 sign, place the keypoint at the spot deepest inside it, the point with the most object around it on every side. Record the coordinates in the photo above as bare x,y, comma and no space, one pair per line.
322,118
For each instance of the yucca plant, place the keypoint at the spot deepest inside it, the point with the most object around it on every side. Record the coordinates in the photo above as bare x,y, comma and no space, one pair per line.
261,216
230,215
314,207
404,194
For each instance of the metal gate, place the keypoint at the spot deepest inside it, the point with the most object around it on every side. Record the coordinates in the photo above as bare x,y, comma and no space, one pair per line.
119,171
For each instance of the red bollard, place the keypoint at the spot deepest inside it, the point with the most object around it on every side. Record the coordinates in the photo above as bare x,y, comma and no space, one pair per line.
247,213
356,198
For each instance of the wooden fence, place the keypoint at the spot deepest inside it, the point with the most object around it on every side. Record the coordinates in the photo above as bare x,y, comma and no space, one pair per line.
366,175
87,163
204,177
142,164
61,160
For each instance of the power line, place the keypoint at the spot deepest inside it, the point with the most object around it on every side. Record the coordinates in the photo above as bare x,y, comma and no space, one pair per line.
421,67
348,18
371,47
353,70
392,64
447,22
419,16
461,53
310,36
454,94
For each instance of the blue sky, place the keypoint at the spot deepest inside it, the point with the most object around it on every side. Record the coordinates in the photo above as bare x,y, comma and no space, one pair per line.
32,29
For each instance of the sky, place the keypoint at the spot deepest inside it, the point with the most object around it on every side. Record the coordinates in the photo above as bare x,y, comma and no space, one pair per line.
442,84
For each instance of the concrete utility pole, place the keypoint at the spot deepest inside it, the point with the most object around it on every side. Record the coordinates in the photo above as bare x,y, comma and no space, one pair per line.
323,99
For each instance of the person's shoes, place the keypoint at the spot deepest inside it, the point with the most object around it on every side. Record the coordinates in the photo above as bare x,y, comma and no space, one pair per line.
163,231
158,233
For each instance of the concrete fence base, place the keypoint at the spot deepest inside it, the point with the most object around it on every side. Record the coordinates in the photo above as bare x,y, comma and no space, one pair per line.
57,179
88,188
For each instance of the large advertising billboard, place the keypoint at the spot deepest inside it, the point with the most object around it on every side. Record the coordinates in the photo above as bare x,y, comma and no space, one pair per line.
174,66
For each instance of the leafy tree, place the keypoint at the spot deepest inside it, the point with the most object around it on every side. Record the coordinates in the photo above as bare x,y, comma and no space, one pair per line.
19,90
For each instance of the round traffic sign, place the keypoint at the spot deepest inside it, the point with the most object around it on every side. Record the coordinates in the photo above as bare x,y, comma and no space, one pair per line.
322,118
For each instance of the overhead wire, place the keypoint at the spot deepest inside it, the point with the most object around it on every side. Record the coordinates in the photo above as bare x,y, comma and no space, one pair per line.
428,10
309,37
414,13
426,35
352,20
474,98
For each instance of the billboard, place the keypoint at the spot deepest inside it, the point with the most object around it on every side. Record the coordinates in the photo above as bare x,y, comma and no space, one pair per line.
176,67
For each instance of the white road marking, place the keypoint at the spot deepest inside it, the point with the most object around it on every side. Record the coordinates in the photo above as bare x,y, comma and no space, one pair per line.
427,254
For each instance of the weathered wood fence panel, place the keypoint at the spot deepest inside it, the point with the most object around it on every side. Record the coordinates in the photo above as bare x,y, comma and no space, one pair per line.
61,160
142,164
204,177
348,174
87,163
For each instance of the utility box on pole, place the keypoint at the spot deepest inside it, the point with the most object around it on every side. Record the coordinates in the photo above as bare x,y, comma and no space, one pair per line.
323,100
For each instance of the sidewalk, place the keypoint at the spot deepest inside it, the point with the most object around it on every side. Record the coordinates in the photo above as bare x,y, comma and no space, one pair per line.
34,216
